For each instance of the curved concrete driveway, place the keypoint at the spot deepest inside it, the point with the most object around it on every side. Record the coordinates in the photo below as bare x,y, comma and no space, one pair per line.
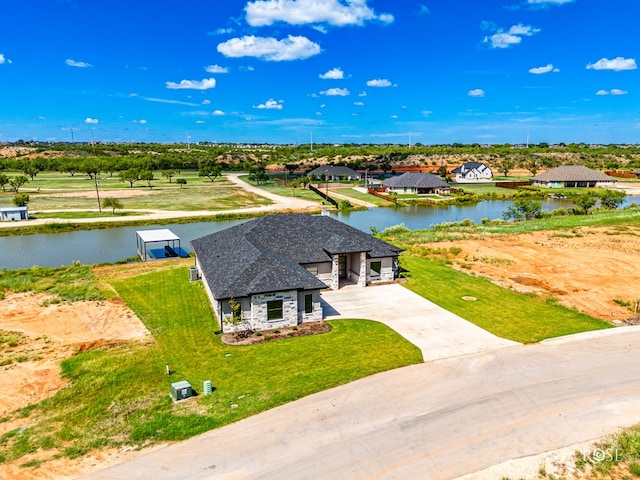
436,331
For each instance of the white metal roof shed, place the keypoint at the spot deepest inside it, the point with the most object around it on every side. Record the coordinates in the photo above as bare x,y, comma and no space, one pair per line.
145,237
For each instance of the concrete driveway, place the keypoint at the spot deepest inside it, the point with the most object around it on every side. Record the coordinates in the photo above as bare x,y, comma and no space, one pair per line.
436,331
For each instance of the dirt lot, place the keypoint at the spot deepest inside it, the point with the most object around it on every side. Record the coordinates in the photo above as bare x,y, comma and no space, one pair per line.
587,268
45,335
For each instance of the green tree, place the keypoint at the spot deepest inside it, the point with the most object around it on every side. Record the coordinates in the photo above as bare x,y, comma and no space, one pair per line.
584,200
21,200
4,181
112,203
181,181
294,184
147,176
612,199
30,170
523,209
17,182
169,174
210,171
131,175
506,165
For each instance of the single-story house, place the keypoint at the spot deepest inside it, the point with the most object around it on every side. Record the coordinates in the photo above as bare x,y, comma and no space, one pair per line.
14,214
332,172
472,172
573,176
274,267
636,173
416,183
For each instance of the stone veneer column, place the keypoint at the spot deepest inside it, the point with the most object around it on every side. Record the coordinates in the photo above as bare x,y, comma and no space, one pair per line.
362,279
335,273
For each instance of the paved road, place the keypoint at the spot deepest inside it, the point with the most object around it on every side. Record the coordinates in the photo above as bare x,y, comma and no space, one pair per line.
437,332
436,420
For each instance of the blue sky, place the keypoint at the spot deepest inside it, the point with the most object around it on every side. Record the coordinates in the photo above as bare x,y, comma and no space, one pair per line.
340,71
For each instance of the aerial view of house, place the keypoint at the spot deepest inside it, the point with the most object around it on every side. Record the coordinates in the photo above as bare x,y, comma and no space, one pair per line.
573,176
275,266
416,183
472,172
332,172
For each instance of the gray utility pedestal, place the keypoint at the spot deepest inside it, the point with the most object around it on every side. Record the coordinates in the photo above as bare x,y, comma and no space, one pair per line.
180,390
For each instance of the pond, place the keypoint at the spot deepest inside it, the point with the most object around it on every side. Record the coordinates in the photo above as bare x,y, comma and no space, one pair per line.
114,244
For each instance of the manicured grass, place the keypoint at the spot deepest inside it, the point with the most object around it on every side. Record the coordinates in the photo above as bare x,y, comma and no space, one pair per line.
350,192
119,394
285,191
504,313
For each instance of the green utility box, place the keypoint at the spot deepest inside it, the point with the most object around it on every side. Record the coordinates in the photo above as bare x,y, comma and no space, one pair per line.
180,390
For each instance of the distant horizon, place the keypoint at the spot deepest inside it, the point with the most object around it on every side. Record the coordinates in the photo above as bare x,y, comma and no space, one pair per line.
345,71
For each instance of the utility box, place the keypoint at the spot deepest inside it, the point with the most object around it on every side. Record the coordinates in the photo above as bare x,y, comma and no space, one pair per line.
180,390
193,274
207,387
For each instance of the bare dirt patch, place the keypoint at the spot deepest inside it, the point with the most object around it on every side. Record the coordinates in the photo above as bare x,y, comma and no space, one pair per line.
594,270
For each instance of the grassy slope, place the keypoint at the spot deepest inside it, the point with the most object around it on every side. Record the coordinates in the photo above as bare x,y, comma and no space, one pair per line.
119,394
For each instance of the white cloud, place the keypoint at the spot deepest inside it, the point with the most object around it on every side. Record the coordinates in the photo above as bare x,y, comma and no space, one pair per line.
513,36
171,102
333,74
206,101
269,48
323,105
40,117
73,63
362,94
270,104
91,120
218,113
4,59
379,83
141,121
426,113
613,91
476,92
393,116
616,64
549,2
260,13
546,69
424,10
221,31
216,69
204,84
200,122
359,104
335,92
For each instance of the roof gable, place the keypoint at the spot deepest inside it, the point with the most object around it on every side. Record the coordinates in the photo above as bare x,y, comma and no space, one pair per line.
416,180
571,173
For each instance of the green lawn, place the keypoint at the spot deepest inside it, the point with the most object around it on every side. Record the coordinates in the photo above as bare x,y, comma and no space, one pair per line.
504,313
119,395
350,192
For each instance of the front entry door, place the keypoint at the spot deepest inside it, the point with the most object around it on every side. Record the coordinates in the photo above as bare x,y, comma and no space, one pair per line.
342,266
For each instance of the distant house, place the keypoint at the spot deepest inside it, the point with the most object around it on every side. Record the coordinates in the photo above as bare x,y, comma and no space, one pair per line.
472,172
332,172
636,173
573,176
8,214
275,266
416,183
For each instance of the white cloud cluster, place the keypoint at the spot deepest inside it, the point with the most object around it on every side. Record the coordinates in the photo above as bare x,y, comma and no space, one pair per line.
335,92
204,84
513,36
4,59
476,92
216,69
142,121
270,104
74,63
359,104
338,13
379,83
218,113
333,74
546,69
269,48
90,120
616,64
549,2
613,91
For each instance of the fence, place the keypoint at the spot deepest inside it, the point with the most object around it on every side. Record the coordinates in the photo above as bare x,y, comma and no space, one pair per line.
323,195
375,193
513,185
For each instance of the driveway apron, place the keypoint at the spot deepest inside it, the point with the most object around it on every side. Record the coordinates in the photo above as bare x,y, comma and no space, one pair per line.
437,332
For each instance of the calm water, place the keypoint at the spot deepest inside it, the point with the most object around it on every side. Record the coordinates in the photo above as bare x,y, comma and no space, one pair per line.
113,244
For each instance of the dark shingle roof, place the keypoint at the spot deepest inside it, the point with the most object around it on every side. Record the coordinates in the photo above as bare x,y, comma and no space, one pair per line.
334,171
573,173
265,254
416,180
466,167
